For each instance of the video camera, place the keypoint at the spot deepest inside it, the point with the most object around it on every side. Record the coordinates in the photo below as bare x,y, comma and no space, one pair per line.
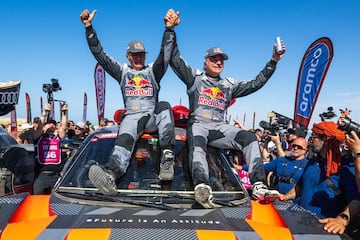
53,87
49,88
273,129
327,115
277,123
348,125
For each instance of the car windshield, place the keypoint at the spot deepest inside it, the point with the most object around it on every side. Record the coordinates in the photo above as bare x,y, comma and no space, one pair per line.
141,177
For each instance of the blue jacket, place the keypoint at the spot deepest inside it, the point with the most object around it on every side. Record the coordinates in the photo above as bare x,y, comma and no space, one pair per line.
327,197
288,171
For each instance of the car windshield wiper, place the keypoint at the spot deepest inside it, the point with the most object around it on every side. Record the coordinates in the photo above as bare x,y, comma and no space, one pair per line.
119,199
144,203
230,203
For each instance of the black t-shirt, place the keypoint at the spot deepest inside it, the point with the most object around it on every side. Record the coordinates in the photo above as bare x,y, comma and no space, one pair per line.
27,136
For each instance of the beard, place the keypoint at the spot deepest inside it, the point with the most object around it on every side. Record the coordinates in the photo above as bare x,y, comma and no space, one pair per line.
315,149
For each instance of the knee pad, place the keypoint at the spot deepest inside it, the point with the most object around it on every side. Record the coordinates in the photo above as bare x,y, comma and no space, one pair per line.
161,106
244,138
125,140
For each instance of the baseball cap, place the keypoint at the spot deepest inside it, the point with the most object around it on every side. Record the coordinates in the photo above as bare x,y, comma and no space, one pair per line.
215,51
52,121
26,126
135,47
36,120
291,131
80,125
298,132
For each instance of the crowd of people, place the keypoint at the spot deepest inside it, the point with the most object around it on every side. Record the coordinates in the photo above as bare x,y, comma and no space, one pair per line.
320,172
51,140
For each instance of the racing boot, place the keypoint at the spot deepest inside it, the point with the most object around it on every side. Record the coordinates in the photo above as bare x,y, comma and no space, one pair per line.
203,195
261,193
102,179
167,165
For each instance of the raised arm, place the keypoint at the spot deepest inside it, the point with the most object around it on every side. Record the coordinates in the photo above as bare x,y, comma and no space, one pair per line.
243,88
171,19
86,17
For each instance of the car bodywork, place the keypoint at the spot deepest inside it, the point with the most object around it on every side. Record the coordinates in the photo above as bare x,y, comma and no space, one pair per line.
147,208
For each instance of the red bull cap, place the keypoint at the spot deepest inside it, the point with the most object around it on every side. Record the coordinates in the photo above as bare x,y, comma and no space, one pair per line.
135,47
215,51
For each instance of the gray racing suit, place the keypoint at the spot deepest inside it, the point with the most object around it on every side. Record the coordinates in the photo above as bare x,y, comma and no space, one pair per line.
140,90
208,100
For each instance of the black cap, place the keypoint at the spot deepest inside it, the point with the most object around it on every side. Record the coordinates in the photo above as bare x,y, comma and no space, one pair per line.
135,47
298,132
51,121
36,120
291,131
215,51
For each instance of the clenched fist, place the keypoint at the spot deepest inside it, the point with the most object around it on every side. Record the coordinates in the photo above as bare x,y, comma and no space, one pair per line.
172,18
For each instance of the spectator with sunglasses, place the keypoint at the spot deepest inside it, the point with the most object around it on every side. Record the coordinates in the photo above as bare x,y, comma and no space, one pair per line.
79,132
291,134
286,171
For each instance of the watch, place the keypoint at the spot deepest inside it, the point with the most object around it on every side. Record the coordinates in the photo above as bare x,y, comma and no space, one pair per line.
344,216
356,155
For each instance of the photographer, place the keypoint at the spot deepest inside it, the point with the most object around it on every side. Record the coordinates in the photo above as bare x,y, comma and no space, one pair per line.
353,143
49,161
328,183
352,140
267,147
349,219
273,143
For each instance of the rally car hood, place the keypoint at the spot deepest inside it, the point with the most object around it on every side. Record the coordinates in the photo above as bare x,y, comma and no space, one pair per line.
25,216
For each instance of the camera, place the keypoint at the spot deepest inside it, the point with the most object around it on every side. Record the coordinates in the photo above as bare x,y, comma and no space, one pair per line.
273,128
53,87
277,123
348,125
286,179
327,115
49,88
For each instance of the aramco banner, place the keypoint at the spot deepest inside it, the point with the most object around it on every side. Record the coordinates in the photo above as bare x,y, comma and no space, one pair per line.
313,69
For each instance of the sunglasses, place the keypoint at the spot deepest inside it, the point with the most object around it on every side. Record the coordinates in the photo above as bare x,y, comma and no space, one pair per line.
77,128
296,146
137,55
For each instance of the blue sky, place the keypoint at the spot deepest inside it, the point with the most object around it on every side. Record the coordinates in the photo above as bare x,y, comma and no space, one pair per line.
41,40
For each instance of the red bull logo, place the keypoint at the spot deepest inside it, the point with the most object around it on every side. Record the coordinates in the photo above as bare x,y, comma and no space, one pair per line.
139,86
138,82
138,45
217,50
213,97
214,93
